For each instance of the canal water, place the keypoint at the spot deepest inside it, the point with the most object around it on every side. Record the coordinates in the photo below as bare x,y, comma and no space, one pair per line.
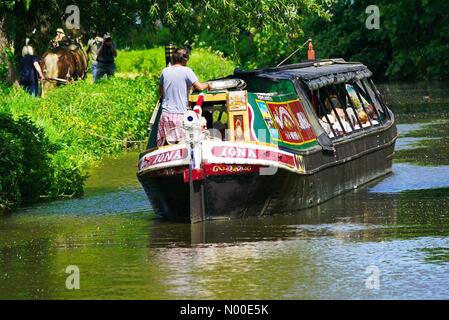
385,240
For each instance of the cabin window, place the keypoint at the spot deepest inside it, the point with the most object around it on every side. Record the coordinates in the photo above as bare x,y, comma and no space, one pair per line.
366,101
345,108
377,100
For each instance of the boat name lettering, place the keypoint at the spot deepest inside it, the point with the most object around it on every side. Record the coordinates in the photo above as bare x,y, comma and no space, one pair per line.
166,157
236,152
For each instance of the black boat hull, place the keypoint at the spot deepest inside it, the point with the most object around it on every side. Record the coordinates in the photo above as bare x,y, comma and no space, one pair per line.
355,162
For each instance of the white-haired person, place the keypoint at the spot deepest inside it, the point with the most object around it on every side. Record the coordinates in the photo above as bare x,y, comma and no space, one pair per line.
30,71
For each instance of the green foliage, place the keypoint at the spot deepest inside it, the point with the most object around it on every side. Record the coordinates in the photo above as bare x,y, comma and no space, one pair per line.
141,61
142,38
3,71
411,43
36,178
6,56
11,168
26,171
83,122
4,89
88,120
209,64
117,17
270,29
204,62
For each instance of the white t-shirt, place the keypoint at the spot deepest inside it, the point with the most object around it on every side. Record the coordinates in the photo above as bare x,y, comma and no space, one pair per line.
176,81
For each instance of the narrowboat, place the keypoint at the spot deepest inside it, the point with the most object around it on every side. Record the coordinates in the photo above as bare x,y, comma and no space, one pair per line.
278,140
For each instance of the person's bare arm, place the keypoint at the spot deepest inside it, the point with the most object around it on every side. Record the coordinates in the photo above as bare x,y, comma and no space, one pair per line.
201,86
89,48
100,50
39,70
114,50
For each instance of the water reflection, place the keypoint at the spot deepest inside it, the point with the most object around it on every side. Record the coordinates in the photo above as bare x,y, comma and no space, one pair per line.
356,216
321,253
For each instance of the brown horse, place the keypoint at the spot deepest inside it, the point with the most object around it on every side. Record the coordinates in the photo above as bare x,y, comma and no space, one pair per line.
63,65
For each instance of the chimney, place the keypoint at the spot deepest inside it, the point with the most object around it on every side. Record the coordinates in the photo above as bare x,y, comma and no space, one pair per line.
169,52
310,52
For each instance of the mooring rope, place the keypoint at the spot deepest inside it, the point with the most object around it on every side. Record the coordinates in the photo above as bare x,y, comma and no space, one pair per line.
123,141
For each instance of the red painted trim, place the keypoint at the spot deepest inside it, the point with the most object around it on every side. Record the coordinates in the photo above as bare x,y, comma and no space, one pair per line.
197,175
251,153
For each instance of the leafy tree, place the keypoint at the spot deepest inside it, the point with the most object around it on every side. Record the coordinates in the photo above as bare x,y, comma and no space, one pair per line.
263,30
96,16
411,43
269,29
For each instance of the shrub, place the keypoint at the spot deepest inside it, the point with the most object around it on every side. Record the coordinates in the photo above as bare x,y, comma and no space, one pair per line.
26,168
11,168
141,61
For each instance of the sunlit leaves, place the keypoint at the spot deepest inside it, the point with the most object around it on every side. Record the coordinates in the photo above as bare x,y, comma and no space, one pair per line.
268,22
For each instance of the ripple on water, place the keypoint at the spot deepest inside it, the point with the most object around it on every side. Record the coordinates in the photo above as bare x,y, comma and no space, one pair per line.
412,177
410,142
128,200
406,128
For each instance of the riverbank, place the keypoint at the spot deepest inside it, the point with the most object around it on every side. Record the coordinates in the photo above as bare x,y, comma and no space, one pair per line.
83,122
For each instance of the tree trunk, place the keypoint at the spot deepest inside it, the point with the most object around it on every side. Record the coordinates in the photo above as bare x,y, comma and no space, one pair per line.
3,39
4,44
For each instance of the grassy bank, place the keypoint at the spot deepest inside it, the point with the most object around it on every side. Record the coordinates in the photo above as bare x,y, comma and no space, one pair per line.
84,121
206,64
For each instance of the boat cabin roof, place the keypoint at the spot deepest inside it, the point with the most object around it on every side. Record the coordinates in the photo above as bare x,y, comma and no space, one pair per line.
316,74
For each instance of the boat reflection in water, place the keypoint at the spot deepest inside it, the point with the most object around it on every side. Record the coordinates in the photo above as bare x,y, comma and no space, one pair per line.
280,140
355,216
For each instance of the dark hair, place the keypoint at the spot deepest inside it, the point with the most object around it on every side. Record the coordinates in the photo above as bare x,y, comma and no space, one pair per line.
181,56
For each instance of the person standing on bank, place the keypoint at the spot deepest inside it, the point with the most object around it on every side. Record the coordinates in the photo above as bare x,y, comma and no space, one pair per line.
92,47
105,58
174,87
30,71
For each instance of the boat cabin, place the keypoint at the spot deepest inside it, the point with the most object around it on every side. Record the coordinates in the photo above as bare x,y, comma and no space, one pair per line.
294,107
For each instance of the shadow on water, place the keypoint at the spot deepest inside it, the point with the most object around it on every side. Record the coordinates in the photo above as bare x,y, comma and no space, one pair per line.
399,224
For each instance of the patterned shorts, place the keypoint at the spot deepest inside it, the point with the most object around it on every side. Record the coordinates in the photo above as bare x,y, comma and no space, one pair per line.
170,128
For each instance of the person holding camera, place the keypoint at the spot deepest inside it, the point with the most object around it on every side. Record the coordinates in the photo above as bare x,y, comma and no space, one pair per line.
105,58
174,86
